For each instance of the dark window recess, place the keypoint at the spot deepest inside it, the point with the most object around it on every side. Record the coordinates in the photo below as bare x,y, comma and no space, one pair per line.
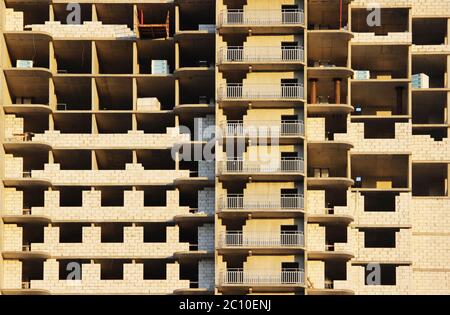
71,197
111,270
112,233
379,202
379,130
155,270
379,238
154,233
387,275
71,233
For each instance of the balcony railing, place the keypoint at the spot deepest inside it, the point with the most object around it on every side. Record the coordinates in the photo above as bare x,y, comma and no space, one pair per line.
238,91
237,276
285,201
261,239
262,17
294,165
239,128
261,54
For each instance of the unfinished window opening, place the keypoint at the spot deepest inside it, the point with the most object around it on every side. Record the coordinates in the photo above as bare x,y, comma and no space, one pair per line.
73,159
395,20
189,234
429,109
154,232
155,270
325,15
32,233
33,197
112,196
335,234
115,93
71,196
32,270
438,134
73,93
73,56
156,159
73,123
154,52
113,123
430,179
334,270
327,161
383,62
335,198
199,16
382,172
112,269
380,202
388,275
33,161
379,238
112,232
379,130
198,90
113,159
423,36
190,271
154,124
33,13
155,197
115,57
62,13
71,269
189,198
35,123
159,89
432,70
71,233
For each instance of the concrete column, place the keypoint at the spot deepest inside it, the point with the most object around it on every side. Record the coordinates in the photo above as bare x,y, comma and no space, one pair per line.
313,92
337,90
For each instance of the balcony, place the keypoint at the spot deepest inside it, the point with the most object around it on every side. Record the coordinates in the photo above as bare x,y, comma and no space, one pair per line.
241,277
285,205
261,57
238,92
277,21
263,170
263,128
261,242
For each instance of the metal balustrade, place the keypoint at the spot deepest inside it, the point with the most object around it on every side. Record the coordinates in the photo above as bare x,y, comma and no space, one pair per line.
239,128
293,165
262,17
261,54
261,239
237,91
285,201
238,276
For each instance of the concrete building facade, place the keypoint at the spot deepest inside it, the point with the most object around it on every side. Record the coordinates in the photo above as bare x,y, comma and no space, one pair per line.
225,147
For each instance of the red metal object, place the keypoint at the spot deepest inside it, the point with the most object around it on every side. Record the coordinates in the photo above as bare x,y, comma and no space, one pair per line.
340,14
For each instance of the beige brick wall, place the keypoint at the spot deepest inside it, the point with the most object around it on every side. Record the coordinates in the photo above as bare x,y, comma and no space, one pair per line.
12,237
132,247
132,210
13,20
12,274
13,125
316,274
134,138
87,30
315,237
133,281
133,174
